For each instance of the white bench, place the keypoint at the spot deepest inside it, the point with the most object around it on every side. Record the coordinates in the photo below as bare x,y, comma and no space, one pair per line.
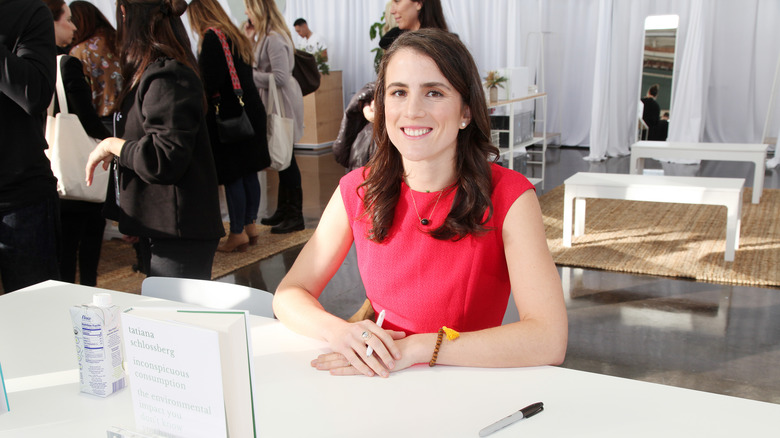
671,189
661,150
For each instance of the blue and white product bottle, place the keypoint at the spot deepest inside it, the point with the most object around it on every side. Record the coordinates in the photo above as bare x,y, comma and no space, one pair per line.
99,345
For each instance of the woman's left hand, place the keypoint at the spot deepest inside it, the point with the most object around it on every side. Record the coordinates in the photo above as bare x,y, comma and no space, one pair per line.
338,365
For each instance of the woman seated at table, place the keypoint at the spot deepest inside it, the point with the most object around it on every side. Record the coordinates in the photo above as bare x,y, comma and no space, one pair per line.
441,234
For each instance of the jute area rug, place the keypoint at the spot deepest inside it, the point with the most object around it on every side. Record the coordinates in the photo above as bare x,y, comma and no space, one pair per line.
117,258
675,240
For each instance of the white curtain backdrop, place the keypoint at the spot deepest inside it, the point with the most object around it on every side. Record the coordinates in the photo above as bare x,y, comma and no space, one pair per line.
745,48
726,50
726,55
691,80
617,77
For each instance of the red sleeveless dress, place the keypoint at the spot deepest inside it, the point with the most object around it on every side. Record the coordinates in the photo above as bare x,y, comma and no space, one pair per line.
424,283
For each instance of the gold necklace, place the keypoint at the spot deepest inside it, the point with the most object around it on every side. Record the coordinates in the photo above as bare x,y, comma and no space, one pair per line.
424,221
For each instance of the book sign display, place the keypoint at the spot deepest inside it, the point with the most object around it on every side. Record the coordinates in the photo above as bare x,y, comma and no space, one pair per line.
183,376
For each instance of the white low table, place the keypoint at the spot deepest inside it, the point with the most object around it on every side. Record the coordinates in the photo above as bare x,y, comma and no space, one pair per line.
672,189
660,150
296,400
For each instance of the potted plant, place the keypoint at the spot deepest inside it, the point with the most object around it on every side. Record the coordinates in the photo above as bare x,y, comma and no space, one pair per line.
322,62
493,80
377,30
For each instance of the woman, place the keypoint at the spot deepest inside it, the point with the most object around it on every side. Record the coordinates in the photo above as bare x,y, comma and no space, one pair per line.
95,46
82,221
354,146
441,234
413,15
237,162
274,54
167,183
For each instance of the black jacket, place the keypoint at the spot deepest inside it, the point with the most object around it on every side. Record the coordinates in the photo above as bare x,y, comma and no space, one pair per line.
27,73
234,160
651,113
167,180
354,144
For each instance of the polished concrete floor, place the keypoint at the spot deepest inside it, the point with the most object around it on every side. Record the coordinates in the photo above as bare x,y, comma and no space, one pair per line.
711,337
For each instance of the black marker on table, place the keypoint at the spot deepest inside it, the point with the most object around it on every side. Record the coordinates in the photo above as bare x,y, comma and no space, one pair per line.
527,412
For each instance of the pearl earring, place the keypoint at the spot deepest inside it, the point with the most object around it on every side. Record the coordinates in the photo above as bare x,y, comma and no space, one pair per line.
462,124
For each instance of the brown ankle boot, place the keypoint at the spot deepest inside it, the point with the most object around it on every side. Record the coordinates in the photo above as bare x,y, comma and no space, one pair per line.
251,231
235,243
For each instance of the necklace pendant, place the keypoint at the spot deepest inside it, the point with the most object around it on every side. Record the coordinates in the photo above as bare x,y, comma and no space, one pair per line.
424,221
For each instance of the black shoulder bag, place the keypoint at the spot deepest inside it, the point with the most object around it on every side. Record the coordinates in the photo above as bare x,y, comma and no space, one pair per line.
238,128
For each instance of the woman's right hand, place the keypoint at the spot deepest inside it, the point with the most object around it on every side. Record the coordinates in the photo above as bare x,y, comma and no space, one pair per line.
104,152
368,112
249,30
349,346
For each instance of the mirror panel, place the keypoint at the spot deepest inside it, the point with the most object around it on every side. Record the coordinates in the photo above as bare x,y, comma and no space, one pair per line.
657,69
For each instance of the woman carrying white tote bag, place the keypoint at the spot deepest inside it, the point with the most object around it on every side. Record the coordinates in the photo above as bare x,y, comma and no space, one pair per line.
69,148
274,63
73,129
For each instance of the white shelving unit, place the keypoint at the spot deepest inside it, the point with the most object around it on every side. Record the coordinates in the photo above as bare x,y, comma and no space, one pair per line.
536,156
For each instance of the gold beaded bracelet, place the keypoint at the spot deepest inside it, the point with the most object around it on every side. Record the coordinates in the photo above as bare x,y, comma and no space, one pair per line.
451,335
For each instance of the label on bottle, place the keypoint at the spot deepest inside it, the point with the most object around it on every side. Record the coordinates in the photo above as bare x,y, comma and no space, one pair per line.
98,348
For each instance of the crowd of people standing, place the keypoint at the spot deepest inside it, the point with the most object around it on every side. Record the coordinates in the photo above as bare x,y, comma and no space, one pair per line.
427,271
155,107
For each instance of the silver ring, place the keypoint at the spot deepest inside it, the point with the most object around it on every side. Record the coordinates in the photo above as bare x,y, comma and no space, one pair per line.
366,335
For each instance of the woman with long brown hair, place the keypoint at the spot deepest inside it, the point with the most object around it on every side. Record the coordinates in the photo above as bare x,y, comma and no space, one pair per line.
442,235
239,161
95,46
82,221
274,54
166,183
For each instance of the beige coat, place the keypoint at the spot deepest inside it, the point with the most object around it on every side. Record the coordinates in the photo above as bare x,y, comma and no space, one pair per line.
275,54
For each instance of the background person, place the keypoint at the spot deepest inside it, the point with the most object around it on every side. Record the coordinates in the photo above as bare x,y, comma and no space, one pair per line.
651,112
95,46
168,193
274,54
441,234
29,205
310,42
661,131
82,221
413,15
354,144
238,162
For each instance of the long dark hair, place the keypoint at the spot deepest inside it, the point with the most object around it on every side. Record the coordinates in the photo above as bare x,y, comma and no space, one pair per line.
89,22
472,207
148,30
56,8
431,14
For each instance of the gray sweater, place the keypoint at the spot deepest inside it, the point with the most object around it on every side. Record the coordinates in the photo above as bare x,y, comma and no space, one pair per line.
275,54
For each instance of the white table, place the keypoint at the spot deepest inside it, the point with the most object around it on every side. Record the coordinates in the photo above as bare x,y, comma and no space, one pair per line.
298,401
652,188
660,150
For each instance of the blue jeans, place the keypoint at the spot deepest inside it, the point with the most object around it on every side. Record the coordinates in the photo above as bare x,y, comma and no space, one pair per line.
243,201
30,244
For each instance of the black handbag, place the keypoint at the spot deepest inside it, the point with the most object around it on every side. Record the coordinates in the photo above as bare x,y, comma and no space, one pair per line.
305,71
232,130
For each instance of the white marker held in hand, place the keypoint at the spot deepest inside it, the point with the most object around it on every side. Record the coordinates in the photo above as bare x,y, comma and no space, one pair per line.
379,321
